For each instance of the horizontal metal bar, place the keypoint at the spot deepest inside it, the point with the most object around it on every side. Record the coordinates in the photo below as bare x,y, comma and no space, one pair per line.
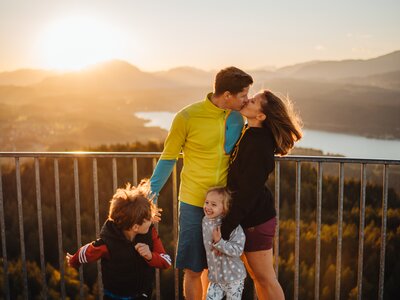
80,154
299,158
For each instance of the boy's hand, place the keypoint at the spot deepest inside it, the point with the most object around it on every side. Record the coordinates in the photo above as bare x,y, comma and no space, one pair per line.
68,257
157,215
144,250
216,234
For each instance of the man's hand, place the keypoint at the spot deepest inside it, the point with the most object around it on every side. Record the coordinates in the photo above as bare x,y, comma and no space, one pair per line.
144,250
157,215
216,234
68,257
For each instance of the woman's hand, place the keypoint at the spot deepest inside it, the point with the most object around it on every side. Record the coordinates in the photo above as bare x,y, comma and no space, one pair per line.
144,250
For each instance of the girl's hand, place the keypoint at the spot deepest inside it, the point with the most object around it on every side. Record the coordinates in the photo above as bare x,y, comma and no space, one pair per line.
144,250
216,234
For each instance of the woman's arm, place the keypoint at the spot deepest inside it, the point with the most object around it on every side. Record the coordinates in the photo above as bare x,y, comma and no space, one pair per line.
234,246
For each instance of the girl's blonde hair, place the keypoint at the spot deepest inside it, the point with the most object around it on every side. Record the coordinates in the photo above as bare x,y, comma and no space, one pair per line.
131,205
285,124
226,196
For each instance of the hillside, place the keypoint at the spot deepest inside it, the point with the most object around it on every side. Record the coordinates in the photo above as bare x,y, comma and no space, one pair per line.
95,106
341,69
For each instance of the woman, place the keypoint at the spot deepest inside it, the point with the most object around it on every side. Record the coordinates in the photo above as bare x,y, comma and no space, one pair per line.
272,128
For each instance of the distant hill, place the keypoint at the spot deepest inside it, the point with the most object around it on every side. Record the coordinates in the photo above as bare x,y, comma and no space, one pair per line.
24,77
114,75
390,80
188,76
342,69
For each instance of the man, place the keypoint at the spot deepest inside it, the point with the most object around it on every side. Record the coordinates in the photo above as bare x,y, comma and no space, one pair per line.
206,133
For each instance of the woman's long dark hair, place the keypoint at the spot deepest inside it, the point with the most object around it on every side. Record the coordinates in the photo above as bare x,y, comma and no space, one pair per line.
285,124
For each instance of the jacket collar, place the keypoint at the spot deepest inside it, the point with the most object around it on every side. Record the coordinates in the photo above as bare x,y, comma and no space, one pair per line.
211,106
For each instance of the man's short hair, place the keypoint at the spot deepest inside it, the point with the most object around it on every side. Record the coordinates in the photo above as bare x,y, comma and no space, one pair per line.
231,80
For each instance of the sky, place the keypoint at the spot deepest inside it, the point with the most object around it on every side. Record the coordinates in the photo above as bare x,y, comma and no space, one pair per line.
208,34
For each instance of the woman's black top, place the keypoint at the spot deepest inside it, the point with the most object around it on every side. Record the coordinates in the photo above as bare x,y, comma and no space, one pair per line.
251,163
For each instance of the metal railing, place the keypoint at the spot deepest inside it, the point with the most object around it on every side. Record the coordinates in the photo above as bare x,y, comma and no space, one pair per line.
134,156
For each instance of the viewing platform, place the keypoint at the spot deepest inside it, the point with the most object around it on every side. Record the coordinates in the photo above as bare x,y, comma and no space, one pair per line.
42,193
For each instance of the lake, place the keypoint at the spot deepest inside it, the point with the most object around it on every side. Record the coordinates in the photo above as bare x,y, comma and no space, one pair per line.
336,143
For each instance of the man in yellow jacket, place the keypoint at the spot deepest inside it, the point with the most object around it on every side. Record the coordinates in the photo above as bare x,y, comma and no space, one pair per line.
206,133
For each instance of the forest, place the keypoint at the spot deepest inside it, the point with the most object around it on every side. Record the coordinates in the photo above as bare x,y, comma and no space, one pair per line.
330,189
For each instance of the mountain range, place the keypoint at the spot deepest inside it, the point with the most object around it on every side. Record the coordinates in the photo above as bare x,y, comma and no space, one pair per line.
42,110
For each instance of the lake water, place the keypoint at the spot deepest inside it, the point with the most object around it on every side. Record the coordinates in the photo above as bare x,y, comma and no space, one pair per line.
337,143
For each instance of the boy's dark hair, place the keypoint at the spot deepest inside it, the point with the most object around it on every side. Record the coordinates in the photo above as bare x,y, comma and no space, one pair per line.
231,80
131,205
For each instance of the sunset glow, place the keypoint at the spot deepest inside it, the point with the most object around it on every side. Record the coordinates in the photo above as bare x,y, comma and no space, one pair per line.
75,42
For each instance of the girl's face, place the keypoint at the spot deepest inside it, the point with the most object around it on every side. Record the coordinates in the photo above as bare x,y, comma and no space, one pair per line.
213,206
253,110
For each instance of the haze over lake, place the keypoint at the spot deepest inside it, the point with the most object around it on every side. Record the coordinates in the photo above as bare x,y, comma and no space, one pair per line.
329,142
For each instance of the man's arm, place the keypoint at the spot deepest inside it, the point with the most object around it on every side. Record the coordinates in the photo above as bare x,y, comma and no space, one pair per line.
172,148
89,253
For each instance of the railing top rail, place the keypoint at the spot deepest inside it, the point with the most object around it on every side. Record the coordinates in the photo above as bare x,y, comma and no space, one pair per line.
298,158
80,154
338,159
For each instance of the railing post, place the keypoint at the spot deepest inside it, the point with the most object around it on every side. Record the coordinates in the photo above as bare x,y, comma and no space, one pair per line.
21,227
78,222
158,295
40,228
297,234
175,225
339,232
361,232
318,231
277,205
59,229
3,242
383,232
97,223
115,175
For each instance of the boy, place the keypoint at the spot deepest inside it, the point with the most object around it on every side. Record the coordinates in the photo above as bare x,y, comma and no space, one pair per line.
129,246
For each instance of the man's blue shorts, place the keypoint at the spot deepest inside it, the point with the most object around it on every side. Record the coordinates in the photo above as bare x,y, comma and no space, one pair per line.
190,253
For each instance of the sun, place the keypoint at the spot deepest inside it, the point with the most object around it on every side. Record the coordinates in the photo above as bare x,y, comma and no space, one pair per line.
76,42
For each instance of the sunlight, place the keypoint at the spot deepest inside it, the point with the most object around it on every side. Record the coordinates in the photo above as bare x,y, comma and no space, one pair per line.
75,42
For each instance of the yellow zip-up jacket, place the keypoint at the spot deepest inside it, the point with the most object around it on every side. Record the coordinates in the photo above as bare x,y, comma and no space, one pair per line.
202,133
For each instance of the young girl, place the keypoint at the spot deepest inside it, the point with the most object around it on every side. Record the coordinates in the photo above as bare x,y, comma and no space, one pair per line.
272,128
129,246
226,271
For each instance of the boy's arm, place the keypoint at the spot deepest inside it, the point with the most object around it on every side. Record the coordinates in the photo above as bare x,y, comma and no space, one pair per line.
160,259
89,253
234,246
172,148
